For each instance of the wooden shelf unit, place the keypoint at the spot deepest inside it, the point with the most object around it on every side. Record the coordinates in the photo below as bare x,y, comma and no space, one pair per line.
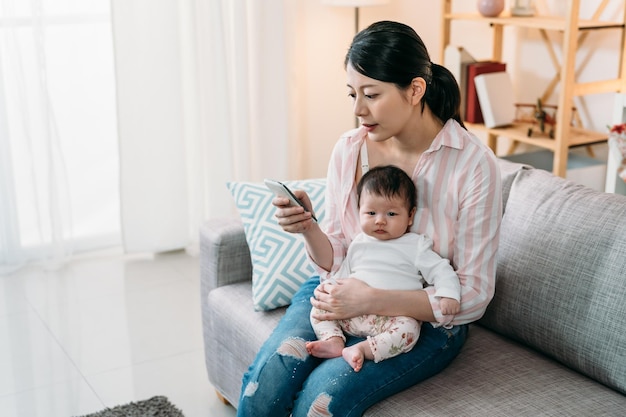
575,31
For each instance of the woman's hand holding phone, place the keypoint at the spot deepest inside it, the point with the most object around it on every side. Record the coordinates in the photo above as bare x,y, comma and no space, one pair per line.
289,214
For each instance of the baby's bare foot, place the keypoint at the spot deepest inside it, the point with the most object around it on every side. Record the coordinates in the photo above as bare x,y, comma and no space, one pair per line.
354,356
326,349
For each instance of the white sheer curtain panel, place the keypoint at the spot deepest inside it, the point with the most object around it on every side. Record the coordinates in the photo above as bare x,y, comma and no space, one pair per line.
57,129
154,195
246,124
195,93
202,100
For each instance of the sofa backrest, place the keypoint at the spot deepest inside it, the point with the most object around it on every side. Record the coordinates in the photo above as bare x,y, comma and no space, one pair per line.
561,279
508,173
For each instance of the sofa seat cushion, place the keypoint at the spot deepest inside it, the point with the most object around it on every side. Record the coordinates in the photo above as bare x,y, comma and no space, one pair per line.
493,376
561,280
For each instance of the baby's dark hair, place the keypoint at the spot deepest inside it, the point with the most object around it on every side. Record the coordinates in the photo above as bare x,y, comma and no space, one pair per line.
388,181
393,52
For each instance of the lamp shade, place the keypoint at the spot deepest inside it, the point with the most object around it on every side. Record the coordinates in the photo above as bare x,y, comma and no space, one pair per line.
355,3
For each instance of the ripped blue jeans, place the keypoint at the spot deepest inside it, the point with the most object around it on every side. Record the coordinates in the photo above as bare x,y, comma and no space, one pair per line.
284,380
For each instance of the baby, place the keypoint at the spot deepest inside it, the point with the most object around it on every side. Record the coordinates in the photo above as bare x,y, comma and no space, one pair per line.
386,255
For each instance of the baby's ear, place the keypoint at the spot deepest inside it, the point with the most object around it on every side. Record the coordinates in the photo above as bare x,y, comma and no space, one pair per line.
412,215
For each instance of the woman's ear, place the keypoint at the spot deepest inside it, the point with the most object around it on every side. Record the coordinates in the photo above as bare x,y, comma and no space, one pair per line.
417,90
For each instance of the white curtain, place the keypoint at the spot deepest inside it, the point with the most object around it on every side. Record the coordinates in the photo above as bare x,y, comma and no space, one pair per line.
202,99
121,121
50,114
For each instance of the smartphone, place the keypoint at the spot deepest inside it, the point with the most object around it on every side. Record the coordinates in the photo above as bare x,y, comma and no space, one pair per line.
281,190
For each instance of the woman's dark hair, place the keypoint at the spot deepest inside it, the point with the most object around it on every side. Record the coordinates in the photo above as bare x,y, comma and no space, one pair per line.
393,52
388,181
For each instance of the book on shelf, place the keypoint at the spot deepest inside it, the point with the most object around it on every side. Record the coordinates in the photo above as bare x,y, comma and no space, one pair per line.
473,112
495,95
456,59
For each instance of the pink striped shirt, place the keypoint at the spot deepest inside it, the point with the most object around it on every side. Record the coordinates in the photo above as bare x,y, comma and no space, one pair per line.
459,206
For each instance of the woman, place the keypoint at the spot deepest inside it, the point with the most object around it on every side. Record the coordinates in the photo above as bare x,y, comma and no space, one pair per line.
408,108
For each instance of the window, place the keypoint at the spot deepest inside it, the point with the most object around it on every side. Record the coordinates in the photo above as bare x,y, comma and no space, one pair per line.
58,128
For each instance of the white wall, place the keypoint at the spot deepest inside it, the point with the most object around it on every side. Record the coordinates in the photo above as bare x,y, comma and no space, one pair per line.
327,32
315,82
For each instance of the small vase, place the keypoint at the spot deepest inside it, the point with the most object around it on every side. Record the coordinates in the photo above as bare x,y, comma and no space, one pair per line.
490,8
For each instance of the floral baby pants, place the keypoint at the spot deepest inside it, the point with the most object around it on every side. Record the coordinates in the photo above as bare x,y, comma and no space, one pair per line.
387,336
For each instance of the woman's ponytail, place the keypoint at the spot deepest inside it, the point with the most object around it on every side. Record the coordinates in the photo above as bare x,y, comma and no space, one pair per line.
443,95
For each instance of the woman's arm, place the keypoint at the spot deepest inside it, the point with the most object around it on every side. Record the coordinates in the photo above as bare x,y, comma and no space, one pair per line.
476,237
326,243
338,201
295,219
319,248
352,297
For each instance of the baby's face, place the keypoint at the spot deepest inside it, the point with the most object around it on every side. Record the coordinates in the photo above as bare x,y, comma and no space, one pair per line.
384,218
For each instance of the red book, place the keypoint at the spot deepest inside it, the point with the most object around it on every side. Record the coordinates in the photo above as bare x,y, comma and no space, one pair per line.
472,106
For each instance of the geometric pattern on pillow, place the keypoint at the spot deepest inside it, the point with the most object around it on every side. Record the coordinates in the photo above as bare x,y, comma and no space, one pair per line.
279,261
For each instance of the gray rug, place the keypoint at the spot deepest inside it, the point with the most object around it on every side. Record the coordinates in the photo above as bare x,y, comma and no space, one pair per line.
154,407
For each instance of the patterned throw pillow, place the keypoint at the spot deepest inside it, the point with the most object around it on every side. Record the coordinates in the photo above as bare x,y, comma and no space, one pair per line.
279,260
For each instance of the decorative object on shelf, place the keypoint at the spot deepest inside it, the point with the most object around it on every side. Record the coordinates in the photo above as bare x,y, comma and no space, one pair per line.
523,8
356,4
473,113
543,118
490,8
456,59
617,135
544,114
495,95
537,113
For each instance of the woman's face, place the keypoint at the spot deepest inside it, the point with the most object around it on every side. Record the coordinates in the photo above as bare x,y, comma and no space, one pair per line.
382,108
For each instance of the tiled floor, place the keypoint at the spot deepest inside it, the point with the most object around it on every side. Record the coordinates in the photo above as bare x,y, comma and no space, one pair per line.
104,330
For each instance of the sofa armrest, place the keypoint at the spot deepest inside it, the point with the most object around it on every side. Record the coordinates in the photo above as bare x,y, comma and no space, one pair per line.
224,254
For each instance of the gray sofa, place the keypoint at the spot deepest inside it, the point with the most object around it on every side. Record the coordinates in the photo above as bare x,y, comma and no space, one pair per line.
552,342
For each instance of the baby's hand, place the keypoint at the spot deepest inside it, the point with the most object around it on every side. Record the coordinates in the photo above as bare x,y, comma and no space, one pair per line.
449,306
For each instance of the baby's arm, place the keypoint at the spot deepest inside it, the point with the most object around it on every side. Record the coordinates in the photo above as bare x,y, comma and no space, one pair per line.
438,272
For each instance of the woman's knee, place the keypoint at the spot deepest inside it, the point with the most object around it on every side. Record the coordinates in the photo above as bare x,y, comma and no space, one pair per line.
277,375
294,347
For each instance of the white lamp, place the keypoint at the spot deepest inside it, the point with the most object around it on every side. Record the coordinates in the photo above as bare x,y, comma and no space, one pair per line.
356,4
